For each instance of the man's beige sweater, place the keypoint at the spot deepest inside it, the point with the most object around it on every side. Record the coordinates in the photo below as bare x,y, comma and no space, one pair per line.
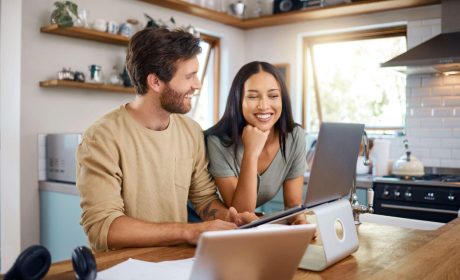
124,168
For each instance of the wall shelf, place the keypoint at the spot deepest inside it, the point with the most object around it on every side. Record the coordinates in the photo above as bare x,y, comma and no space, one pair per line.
346,9
91,86
92,35
87,34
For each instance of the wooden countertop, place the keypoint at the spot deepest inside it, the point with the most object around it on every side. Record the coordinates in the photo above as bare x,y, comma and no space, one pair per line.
385,252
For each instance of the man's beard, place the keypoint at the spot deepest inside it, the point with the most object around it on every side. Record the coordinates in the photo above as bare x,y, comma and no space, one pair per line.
173,101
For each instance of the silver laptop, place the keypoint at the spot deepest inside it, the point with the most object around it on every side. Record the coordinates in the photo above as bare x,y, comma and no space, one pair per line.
270,252
332,172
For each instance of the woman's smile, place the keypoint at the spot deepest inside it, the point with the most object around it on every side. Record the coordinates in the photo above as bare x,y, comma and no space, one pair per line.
264,117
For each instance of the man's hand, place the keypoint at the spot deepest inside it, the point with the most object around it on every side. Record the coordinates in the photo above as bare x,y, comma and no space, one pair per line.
195,230
300,219
240,218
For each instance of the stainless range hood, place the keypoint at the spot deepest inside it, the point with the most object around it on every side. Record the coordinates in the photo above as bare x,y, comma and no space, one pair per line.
440,54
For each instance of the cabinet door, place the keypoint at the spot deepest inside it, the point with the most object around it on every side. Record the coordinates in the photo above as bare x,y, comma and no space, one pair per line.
60,229
274,205
277,203
362,195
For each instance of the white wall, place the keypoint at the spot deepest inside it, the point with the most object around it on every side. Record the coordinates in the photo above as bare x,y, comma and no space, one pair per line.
45,110
10,95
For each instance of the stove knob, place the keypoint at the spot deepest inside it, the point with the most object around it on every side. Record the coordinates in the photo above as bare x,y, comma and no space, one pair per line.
386,193
397,193
408,194
451,197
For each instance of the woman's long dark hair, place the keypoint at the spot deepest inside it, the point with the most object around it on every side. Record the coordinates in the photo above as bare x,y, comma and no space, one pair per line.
230,127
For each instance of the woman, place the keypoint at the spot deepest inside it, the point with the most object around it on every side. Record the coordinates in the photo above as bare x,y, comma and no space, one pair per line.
256,147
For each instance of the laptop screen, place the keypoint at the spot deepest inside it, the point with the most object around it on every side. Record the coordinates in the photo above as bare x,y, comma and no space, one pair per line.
334,163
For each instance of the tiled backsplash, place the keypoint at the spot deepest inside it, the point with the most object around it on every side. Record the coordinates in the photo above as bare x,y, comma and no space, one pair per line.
433,109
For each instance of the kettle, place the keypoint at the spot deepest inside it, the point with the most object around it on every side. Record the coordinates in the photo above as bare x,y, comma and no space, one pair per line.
408,165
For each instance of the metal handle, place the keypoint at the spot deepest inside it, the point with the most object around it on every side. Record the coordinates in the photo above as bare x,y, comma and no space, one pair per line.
412,208
370,196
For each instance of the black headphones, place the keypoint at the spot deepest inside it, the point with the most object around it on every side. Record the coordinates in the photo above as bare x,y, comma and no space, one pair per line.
34,262
84,264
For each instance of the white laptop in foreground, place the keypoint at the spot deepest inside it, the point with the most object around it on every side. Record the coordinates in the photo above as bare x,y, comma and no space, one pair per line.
270,252
265,253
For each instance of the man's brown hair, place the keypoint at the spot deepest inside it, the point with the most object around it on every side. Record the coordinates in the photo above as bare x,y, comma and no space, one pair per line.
157,51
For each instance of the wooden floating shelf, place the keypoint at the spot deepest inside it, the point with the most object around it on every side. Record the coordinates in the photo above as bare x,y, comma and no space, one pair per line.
345,9
87,34
197,10
90,86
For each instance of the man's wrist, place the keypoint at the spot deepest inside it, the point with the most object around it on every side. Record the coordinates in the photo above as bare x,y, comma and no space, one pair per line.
188,233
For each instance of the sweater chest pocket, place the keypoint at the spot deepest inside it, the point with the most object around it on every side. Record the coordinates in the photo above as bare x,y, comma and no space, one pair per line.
183,168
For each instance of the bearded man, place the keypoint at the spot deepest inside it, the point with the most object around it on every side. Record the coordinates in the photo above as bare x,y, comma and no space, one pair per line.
138,165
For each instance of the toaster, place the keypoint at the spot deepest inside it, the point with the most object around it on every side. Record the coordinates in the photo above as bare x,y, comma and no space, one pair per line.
60,156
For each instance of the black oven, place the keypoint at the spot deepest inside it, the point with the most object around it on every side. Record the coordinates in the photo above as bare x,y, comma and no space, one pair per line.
439,204
429,198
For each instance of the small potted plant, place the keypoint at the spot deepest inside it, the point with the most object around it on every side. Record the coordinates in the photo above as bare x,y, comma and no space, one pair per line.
65,13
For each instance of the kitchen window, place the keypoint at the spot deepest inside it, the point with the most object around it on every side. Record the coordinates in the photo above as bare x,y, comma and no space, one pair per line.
205,101
345,83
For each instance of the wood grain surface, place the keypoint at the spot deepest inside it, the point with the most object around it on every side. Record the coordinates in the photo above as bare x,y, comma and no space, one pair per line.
385,252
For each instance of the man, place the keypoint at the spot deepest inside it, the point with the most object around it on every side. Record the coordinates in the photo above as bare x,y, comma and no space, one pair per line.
138,165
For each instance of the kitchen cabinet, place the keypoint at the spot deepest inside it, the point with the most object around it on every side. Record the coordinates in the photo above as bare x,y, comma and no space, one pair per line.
345,9
86,34
274,205
60,229
362,195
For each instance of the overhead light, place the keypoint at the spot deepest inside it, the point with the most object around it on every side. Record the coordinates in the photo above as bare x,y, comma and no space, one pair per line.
450,73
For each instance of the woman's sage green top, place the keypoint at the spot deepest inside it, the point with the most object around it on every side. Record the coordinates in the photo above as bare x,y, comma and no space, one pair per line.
223,164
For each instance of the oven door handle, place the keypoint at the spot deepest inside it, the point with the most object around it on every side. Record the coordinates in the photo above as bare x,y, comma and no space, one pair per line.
423,209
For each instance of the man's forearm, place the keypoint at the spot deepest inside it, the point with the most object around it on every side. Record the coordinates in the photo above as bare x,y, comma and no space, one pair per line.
216,210
129,232
213,210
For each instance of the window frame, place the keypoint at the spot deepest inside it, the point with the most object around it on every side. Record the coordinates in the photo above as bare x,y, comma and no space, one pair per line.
310,41
214,45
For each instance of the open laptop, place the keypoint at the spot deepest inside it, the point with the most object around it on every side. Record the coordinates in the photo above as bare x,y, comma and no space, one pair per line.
332,172
269,253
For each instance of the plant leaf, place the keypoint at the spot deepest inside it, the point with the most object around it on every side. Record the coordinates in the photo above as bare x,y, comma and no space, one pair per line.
59,5
72,7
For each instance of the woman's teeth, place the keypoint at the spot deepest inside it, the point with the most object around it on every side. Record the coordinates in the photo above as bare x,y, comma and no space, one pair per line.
263,117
